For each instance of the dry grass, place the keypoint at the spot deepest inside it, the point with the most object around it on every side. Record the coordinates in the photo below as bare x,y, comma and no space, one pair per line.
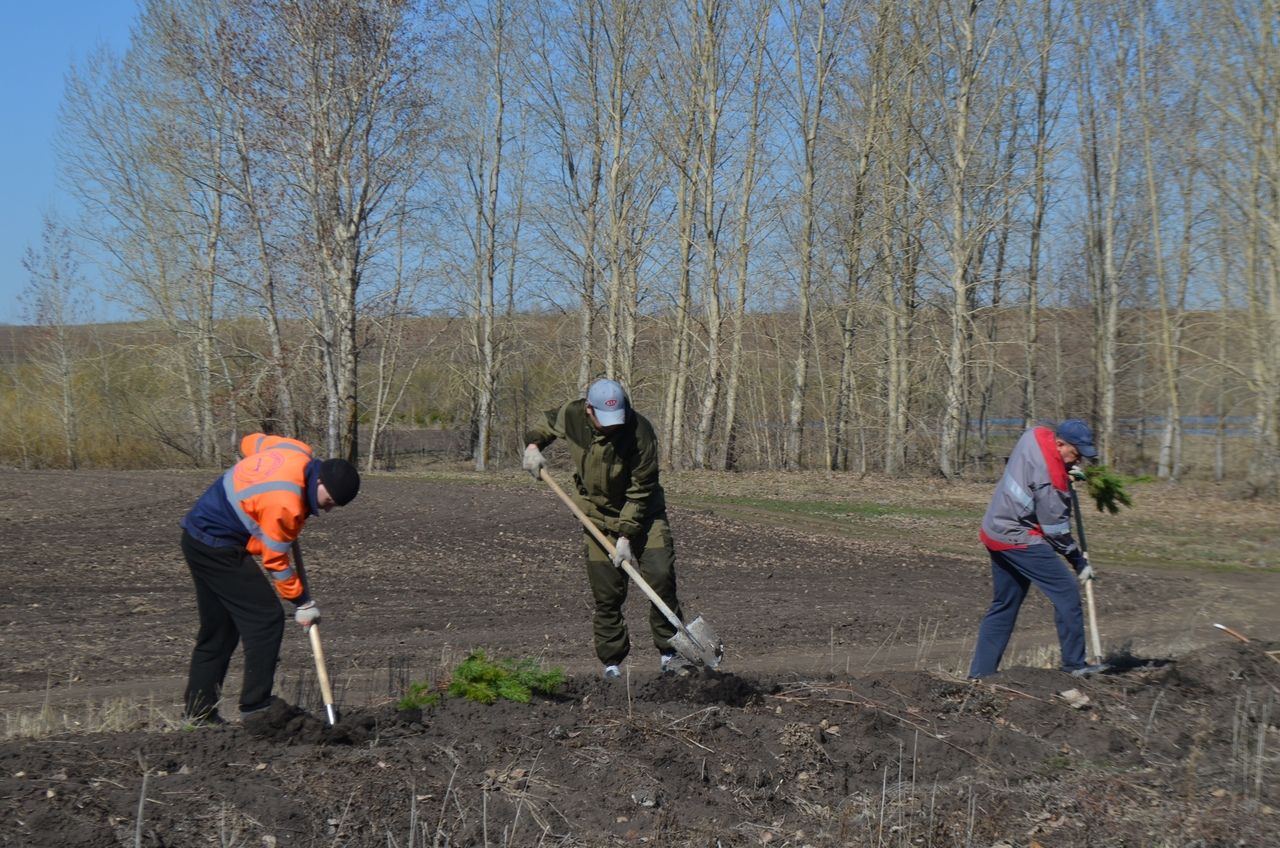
1197,525
112,715
1184,525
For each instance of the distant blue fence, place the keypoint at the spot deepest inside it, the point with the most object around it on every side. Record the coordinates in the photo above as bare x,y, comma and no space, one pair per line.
1233,426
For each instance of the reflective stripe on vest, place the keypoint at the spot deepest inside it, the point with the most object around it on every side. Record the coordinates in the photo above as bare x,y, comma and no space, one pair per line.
1019,494
235,497
257,447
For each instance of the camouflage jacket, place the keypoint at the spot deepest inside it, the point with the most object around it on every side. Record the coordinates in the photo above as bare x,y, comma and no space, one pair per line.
615,476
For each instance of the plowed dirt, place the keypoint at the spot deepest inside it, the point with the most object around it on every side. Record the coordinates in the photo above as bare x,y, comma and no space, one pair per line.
839,717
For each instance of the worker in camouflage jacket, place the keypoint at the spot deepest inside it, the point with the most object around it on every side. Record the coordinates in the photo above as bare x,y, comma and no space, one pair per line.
614,452
1026,529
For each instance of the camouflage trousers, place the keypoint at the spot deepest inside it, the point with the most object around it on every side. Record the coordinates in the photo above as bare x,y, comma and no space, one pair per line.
656,554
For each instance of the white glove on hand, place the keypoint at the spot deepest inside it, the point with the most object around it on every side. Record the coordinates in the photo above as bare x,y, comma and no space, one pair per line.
1085,574
534,461
1077,473
622,552
307,614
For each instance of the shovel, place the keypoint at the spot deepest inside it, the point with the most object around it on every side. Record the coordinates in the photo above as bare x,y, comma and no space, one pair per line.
695,641
322,673
1095,642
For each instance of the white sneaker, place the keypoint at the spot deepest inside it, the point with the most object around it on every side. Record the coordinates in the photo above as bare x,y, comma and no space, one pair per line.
1089,670
612,672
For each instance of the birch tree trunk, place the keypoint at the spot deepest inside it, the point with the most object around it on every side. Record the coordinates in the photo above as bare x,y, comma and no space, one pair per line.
727,456
1044,118
860,157
568,94
1170,296
1104,117
711,18
959,237
672,450
810,82
486,185
622,39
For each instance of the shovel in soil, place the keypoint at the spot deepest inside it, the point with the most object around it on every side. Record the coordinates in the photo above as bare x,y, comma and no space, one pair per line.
322,671
695,641
1095,641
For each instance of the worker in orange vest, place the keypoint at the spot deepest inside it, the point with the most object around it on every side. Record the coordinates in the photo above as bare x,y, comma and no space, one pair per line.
258,508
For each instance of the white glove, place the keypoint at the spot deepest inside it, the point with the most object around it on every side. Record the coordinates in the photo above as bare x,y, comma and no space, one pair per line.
534,461
622,553
307,614
1085,574
1077,473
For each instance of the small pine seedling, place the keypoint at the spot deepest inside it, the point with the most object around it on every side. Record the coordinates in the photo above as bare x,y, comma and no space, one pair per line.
1107,489
420,696
479,679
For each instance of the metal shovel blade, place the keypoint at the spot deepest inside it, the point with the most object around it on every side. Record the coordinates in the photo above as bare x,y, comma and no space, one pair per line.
698,643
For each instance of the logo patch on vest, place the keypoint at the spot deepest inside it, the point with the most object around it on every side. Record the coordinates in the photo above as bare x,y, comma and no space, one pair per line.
259,466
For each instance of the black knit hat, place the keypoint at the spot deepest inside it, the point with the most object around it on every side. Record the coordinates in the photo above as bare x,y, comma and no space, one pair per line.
341,479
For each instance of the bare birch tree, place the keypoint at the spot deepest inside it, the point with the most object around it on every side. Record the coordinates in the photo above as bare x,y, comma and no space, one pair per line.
815,44
342,88
565,77
972,90
746,190
1181,161
490,29
153,208
1104,68
54,300
864,138
1240,62
628,199
900,245
1045,119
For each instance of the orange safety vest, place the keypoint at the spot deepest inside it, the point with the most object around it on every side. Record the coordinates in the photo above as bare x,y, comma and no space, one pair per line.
268,491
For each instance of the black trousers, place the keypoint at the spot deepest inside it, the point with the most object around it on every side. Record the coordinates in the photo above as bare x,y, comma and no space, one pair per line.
235,602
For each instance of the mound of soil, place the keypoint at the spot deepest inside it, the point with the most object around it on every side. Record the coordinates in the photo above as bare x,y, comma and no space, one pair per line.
1161,753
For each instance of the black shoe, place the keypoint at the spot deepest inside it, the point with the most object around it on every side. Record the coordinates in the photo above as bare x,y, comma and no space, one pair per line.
269,717
210,719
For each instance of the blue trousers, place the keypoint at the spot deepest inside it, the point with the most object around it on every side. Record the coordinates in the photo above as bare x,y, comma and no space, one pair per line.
1012,573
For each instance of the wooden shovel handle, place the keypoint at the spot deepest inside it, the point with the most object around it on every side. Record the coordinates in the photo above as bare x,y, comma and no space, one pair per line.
1095,640
1234,634
322,672
609,549
313,632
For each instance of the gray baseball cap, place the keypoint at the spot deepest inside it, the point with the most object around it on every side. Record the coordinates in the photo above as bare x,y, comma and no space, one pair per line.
609,401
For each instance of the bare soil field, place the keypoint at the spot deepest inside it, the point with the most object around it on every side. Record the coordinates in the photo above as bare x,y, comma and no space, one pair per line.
840,716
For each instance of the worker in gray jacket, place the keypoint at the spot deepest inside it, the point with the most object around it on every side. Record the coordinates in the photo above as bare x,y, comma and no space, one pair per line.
1026,529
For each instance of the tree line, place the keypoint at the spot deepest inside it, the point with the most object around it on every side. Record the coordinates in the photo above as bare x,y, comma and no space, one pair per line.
852,235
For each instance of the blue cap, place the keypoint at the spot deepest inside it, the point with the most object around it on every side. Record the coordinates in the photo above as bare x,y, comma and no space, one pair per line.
609,401
1077,433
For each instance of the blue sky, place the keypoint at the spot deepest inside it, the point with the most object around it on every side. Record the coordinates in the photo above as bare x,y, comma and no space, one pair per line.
42,41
